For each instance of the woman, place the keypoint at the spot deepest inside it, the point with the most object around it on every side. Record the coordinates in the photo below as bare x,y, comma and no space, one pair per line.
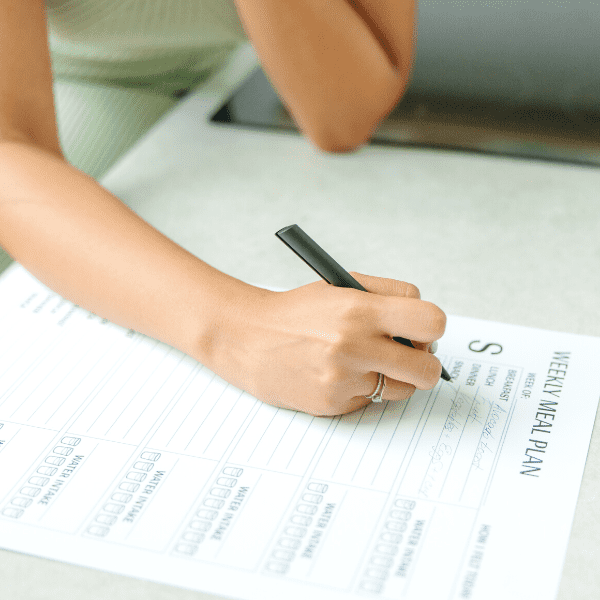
340,66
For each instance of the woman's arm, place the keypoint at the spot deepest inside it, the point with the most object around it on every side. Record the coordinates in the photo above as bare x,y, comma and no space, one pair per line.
317,348
26,98
84,243
73,234
339,65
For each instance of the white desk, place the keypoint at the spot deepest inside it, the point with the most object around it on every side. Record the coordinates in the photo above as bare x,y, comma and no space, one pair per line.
494,238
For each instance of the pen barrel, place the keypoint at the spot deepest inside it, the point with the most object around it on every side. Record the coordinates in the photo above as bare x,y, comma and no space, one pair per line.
316,258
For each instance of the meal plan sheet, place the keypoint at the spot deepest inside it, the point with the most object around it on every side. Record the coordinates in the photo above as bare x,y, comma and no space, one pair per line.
120,453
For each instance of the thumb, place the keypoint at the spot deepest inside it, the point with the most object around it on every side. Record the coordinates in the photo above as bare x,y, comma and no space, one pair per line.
391,287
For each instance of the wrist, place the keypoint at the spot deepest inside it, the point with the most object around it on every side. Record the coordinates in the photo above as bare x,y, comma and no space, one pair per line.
224,313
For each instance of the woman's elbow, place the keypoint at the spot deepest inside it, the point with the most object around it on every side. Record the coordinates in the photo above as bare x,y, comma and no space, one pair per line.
339,134
336,143
346,131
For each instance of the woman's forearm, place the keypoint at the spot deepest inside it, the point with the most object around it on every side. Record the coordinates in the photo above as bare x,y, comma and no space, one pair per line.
339,65
84,243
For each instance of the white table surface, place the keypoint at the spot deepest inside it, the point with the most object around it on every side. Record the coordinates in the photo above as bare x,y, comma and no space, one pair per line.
496,238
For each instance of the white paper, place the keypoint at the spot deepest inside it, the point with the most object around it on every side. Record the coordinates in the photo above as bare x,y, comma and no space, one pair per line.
123,454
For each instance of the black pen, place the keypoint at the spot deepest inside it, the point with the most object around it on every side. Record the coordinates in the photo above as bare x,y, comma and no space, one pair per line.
327,268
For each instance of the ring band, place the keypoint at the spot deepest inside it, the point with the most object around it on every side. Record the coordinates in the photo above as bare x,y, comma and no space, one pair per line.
376,395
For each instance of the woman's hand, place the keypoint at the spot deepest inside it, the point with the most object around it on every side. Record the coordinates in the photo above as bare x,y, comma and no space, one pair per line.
319,348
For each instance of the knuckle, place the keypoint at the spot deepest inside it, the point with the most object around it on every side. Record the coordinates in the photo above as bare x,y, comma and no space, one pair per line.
412,291
337,348
331,377
351,307
352,312
434,319
329,351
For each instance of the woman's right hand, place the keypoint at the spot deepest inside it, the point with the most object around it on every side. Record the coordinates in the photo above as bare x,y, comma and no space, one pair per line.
319,348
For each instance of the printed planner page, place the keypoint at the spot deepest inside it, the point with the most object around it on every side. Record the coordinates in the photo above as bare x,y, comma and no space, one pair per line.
120,453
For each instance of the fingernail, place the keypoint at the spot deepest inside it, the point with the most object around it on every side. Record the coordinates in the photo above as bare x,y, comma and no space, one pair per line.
433,348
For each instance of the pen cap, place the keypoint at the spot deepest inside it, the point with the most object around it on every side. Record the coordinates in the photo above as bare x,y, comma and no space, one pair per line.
316,258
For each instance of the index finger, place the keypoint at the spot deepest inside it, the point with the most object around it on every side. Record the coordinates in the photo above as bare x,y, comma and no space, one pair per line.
410,318
391,287
385,286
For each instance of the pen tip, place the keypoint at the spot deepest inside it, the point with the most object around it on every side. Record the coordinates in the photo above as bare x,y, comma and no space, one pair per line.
446,375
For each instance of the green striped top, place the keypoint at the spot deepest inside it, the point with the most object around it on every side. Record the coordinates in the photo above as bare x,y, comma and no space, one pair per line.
165,45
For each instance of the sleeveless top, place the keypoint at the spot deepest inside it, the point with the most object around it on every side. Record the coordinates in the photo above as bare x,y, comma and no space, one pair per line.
161,45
